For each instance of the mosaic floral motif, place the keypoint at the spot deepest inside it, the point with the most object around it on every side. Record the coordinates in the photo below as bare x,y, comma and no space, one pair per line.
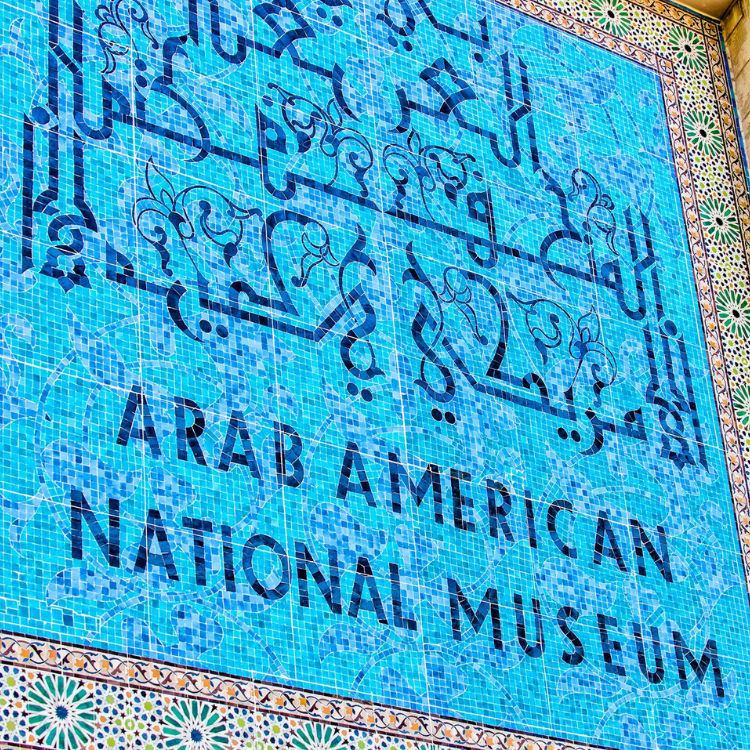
13,714
272,732
61,713
190,725
687,47
741,398
703,132
132,718
613,15
720,221
734,312
317,737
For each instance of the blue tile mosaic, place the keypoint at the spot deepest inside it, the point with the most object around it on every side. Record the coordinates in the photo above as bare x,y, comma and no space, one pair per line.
354,346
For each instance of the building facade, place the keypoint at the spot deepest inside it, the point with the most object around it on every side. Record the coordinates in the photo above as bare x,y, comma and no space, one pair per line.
375,375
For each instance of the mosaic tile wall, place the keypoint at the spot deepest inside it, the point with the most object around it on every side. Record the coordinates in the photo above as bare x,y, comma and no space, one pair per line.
373,374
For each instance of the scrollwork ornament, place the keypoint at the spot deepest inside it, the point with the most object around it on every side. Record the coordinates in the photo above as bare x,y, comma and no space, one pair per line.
600,210
552,327
196,212
433,166
116,19
310,123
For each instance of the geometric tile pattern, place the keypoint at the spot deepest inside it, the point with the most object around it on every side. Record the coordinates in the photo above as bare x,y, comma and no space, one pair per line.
374,374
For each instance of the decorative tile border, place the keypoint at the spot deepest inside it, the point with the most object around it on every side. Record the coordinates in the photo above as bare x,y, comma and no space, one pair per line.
54,695
72,698
589,33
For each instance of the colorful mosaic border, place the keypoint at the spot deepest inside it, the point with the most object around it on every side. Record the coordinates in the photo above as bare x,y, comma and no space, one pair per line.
109,700
52,695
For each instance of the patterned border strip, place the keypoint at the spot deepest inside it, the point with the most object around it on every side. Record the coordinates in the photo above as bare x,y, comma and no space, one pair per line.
589,33
146,674
142,674
731,138
706,300
676,14
728,420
